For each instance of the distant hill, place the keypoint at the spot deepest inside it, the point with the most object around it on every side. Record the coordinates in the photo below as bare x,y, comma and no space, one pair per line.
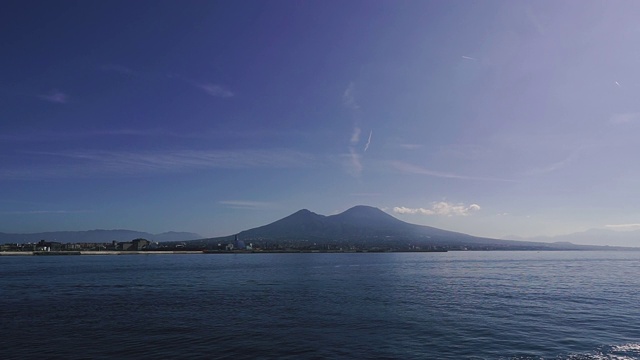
593,237
95,236
367,226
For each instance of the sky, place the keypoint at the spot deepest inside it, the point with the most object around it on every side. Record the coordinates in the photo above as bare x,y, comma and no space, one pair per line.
492,118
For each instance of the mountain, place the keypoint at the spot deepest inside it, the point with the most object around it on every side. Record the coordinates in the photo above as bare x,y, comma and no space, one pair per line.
363,227
95,236
359,222
594,236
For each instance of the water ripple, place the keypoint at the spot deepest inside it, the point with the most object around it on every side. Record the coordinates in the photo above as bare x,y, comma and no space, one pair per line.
465,305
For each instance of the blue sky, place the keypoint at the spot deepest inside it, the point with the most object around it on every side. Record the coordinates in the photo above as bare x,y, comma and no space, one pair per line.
492,118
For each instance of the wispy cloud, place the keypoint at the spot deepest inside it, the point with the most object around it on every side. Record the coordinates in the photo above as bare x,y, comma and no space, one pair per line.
365,194
226,134
65,136
213,89
624,118
623,227
468,58
355,136
216,90
411,146
40,212
535,21
414,169
441,208
349,97
122,163
55,96
118,69
463,151
353,164
185,159
554,166
366,146
248,205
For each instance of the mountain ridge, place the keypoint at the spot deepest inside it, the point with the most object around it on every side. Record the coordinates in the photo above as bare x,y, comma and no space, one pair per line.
592,236
368,227
95,236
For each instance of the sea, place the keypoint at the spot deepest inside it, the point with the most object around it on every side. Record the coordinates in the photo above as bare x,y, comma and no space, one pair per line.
454,305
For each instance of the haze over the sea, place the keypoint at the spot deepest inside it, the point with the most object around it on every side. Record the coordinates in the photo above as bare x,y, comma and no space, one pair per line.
489,118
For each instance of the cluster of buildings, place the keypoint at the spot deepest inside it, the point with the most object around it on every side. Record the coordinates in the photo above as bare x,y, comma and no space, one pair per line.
43,245
235,245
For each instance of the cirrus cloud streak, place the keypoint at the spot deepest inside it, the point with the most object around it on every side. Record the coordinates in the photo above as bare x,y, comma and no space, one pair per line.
623,227
418,170
83,164
246,204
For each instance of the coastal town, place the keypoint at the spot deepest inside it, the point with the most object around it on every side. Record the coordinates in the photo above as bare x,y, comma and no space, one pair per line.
140,245
359,229
55,246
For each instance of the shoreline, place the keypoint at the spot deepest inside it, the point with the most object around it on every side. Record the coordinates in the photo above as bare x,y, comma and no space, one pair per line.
191,252
92,253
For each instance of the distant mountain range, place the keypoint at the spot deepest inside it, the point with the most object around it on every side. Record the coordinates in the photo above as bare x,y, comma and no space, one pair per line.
360,226
591,237
365,226
95,236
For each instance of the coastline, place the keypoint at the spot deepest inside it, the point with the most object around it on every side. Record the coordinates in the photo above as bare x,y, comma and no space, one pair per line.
171,252
106,252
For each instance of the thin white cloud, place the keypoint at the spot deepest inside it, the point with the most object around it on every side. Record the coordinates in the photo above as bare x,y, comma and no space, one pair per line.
216,90
55,96
441,208
468,57
124,163
132,132
463,151
551,168
366,146
355,136
244,204
118,69
40,212
349,97
414,169
554,166
365,194
624,118
55,136
411,146
353,163
535,21
623,227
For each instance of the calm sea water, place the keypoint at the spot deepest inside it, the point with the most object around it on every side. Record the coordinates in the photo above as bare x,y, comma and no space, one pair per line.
456,305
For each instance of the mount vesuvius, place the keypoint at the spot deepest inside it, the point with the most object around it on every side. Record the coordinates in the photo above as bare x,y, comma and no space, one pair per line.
363,227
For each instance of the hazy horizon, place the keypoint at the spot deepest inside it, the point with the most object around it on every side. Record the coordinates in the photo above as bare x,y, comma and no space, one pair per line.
493,118
623,238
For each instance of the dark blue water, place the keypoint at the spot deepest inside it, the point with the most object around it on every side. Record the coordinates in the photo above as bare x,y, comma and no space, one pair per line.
456,305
